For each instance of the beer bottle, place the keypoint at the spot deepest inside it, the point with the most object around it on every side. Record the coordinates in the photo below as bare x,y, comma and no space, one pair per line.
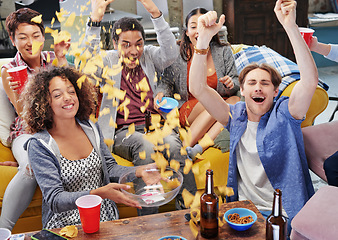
209,208
276,223
147,121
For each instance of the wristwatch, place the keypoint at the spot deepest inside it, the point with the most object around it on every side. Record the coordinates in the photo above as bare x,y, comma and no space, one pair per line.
90,23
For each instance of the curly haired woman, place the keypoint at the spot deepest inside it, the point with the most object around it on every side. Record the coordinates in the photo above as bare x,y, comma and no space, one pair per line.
67,153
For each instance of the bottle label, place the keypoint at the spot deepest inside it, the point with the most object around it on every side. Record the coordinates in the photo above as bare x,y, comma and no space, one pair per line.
275,232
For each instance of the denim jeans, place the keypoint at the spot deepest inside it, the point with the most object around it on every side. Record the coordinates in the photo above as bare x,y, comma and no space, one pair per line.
130,147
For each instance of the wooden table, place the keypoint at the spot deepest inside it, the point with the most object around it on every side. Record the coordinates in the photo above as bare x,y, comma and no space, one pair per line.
155,226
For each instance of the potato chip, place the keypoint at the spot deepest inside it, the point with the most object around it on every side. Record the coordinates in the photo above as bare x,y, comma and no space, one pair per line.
92,118
174,165
187,167
36,47
69,231
118,31
188,198
81,80
70,20
112,123
226,191
167,174
104,112
143,85
55,62
52,22
174,183
206,141
177,96
108,142
131,130
37,19
142,155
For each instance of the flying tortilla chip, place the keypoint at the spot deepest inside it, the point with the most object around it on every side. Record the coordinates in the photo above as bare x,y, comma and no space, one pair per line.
37,19
118,31
206,141
143,85
36,47
142,155
70,20
108,142
174,183
104,111
131,130
177,96
187,167
188,198
174,165
81,80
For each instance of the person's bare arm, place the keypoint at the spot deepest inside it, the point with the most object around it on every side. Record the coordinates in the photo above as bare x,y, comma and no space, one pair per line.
318,47
208,97
303,91
11,89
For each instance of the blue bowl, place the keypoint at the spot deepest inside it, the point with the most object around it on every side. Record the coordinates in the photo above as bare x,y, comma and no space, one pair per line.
172,238
242,213
170,104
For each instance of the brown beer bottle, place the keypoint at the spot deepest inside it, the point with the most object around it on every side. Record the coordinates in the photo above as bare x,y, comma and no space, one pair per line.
147,121
276,223
209,208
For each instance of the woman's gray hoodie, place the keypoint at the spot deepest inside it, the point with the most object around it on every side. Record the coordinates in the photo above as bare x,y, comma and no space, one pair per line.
44,156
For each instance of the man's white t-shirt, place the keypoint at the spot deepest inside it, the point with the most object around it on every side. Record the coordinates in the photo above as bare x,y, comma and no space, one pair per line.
253,183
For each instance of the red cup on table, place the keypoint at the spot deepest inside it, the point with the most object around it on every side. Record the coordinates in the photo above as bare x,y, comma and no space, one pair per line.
306,34
89,207
19,74
5,234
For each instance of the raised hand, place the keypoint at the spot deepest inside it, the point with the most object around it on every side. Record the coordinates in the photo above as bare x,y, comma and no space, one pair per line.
207,27
151,7
227,81
285,11
98,9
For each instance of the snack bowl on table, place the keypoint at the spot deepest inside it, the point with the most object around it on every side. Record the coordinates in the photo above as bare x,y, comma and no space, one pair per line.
172,238
167,104
152,195
243,212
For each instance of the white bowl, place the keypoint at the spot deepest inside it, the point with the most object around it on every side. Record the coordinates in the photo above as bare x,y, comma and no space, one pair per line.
151,196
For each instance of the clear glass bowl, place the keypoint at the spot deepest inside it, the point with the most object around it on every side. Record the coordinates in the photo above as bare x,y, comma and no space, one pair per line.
154,195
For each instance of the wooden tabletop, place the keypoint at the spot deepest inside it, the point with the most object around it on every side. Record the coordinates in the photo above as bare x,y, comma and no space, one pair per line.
170,223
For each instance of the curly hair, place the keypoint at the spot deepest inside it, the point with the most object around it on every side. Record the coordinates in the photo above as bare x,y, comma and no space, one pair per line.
186,50
22,15
37,111
276,78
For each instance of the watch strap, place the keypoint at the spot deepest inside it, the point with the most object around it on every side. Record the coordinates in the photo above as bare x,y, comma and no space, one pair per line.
90,23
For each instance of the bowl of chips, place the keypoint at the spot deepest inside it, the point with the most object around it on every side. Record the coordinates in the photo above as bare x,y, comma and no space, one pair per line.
172,238
152,195
167,104
240,219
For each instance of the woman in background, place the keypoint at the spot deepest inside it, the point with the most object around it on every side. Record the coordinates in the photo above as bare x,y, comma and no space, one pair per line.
222,76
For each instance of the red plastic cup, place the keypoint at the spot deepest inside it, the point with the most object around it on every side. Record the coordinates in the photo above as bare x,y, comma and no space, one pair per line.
306,34
5,234
19,74
89,207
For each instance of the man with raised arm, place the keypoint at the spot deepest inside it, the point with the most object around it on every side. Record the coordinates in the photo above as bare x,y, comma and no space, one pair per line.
266,142
135,65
